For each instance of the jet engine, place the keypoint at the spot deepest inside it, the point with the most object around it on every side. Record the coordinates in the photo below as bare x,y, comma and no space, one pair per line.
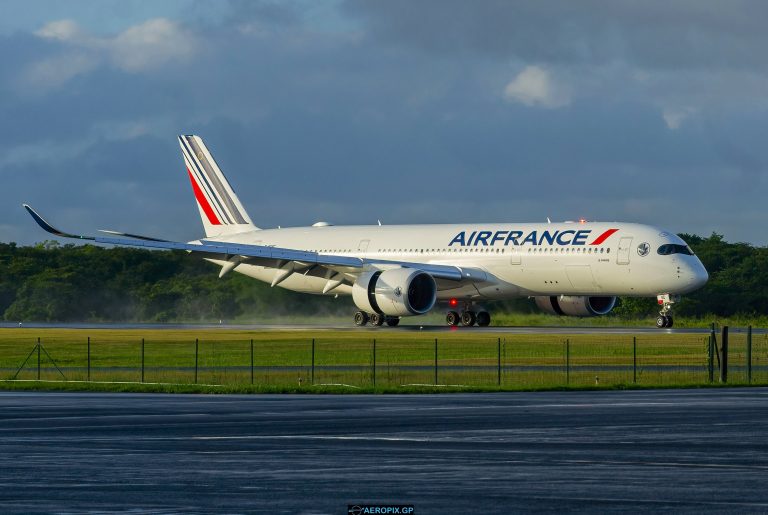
397,292
576,306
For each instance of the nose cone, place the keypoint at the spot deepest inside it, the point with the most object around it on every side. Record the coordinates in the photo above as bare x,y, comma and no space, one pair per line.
699,275
691,275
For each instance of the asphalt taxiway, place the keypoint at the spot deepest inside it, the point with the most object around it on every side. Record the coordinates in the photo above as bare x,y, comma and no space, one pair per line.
630,451
407,327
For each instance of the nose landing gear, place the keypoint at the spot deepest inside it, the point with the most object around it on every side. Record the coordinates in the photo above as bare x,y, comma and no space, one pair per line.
665,320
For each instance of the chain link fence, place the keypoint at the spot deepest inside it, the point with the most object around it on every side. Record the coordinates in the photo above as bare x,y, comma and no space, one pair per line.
508,361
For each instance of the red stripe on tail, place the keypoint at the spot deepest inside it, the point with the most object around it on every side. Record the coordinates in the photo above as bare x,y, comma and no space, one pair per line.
203,201
607,234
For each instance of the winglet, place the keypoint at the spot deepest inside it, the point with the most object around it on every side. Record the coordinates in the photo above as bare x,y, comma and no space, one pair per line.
51,229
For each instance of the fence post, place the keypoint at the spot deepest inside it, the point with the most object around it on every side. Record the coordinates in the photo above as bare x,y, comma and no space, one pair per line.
634,359
374,363
89,358
38,359
196,354
724,360
251,360
435,361
567,361
714,347
313,361
498,353
711,355
142,360
749,354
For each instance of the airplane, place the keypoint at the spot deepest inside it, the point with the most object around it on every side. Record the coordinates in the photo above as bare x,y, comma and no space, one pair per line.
575,268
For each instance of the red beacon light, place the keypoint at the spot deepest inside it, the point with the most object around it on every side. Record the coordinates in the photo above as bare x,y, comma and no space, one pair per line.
453,302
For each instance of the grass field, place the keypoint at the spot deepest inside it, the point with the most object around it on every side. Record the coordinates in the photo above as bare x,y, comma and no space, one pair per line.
283,360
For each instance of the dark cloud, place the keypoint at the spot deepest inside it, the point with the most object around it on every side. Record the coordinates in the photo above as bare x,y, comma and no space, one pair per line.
654,34
399,114
266,12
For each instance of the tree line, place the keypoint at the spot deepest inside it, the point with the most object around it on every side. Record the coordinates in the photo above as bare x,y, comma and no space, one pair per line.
53,282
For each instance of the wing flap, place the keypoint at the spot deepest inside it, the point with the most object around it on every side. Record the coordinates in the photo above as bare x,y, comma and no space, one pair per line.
129,235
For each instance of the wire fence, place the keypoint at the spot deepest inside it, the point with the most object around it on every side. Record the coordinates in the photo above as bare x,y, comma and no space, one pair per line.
510,361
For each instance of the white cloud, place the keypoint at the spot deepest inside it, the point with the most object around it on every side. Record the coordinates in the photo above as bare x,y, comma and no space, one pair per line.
150,45
53,72
60,30
139,48
675,116
534,86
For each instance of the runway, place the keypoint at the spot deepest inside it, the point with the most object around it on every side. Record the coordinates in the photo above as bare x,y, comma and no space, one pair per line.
630,451
407,327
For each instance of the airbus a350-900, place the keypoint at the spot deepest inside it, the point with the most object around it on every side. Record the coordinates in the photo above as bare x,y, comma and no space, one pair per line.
393,271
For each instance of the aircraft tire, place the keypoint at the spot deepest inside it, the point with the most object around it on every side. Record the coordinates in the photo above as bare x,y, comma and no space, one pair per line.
361,318
452,318
483,319
468,318
376,319
661,321
393,321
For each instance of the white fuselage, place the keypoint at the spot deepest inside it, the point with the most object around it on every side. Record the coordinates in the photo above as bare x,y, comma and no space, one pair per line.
580,258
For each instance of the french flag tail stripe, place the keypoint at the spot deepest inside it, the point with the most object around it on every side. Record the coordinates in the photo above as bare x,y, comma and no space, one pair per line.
600,239
219,185
202,201
201,195
194,167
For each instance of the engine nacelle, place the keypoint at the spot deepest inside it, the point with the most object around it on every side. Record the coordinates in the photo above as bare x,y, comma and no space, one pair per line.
397,292
569,305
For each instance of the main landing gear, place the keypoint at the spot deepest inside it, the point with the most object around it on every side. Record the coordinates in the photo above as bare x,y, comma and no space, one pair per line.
376,319
468,318
665,320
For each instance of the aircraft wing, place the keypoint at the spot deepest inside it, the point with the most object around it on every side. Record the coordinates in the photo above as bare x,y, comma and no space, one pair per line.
272,257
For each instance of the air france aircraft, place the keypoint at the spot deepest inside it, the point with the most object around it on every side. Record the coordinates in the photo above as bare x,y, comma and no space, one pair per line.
393,271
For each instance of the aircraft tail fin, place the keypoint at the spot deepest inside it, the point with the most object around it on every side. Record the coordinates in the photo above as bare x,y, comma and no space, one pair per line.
220,209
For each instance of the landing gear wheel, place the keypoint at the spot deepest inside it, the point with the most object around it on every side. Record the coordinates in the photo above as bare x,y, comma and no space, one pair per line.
468,318
665,300
377,319
393,321
361,318
452,318
483,319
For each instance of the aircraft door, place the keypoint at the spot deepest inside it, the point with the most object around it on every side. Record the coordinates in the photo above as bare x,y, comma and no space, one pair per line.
515,258
622,256
363,245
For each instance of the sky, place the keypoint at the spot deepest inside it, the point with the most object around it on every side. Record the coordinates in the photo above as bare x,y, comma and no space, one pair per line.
428,111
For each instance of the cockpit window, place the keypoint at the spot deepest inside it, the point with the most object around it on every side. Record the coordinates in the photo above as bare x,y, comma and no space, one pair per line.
671,248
